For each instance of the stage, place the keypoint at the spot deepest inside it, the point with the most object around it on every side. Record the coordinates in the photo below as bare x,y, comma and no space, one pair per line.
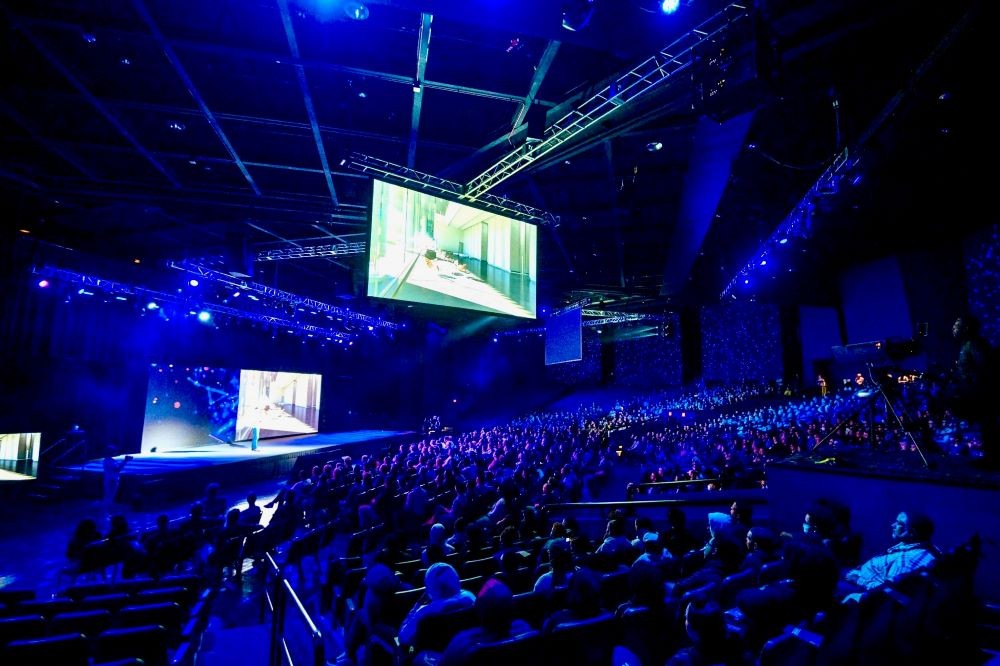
961,498
166,475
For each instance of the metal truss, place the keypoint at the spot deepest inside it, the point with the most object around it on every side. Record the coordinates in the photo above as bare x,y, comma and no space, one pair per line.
667,63
578,305
611,317
449,189
116,288
519,332
311,251
273,294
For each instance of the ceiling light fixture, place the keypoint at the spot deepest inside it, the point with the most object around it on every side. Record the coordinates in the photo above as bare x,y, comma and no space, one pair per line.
356,10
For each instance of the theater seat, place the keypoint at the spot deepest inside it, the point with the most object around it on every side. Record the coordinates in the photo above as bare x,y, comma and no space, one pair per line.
524,650
65,650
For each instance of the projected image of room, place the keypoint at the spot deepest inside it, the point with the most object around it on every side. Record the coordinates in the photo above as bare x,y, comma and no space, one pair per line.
426,249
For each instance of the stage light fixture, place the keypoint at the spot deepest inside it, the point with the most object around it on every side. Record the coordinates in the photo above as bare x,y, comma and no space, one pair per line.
669,6
356,10
193,282
43,284
152,305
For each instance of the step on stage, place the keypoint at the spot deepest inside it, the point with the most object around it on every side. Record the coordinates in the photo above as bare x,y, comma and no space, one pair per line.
152,478
959,497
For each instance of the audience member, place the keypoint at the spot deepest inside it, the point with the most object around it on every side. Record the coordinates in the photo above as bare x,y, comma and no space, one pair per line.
443,594
913,551
495,609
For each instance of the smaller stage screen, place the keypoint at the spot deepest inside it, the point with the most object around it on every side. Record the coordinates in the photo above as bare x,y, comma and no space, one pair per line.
279,403
19,455
189,406
564,337
425,249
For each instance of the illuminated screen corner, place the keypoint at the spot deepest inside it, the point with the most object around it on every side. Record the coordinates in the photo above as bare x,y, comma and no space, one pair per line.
19,455
430,250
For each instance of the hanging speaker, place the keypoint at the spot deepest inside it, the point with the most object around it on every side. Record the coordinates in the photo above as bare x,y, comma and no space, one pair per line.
536,121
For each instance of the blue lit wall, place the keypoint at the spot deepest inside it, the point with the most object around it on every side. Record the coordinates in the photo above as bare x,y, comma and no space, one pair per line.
741,341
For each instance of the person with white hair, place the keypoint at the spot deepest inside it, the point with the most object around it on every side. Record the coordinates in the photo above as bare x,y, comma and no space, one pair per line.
443,594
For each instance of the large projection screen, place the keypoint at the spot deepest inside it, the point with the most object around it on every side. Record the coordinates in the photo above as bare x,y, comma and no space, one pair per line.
19,455
279,403
425,249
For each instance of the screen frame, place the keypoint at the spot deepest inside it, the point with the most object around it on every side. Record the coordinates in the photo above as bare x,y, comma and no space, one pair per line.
436,309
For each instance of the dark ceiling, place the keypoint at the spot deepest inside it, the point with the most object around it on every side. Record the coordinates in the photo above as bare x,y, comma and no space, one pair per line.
216,131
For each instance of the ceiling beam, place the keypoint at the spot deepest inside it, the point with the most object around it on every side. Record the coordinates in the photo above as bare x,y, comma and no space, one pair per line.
423,47
97,104
548,55
52,146
175,62
300,72
265,56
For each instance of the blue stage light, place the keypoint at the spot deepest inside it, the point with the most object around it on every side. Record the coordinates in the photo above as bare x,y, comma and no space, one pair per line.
43,283
204,316
193,282
669,6
152,305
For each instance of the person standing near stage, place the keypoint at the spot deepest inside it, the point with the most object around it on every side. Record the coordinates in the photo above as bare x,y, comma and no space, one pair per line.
112,475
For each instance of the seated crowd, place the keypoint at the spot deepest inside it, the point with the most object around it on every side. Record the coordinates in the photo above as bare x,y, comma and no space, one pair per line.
461,527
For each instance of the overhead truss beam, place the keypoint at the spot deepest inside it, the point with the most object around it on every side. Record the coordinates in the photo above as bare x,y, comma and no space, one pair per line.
285,296
408,177
122,289
625,89
312,251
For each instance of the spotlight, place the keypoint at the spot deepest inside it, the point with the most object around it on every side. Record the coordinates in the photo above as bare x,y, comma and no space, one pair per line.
356,10
152,305
43,283
204,316
654,146
669,6
193,282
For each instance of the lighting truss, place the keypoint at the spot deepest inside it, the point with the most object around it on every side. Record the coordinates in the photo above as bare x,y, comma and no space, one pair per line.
799,221
578,305
520,331
311,251
449,189
283,296
612,317
620,318
116,288
664,65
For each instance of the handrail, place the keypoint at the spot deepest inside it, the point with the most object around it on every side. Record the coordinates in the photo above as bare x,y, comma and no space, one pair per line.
631,488
276,599
751,495
319,653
